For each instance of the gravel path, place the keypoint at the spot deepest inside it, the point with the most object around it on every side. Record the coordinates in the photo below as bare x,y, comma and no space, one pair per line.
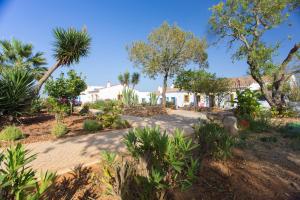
63,154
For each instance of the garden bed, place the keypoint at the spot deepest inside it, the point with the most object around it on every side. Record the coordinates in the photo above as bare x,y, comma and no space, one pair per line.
38,128
259,170
144,111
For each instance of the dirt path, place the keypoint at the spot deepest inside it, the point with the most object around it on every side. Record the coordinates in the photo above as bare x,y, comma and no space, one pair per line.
61,155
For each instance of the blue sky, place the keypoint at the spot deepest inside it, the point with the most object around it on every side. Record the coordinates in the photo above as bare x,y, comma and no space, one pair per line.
113,24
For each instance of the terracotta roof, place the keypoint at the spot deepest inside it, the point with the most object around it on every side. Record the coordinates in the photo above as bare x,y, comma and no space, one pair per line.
243,82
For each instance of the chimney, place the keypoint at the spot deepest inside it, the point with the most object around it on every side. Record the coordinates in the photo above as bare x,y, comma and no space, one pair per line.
108,84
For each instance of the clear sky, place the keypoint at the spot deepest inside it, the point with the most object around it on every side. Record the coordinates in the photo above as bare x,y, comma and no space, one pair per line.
113,24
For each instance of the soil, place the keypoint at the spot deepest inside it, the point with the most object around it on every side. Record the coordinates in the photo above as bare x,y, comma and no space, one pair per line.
258,170
38,128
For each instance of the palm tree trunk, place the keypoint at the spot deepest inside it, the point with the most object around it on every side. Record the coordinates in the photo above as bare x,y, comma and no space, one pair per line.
164,89
46,76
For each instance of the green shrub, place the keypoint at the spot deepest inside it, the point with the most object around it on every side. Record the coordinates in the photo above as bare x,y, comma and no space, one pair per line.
247,103
59,130
92,125
111,113
120,123
153,99
84,110
16,90
291,130
214,140
165,162
18,180
11,133
129,97
36,106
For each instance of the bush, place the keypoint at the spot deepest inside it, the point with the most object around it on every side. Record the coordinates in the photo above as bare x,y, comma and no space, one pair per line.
84,110
165,162
120,123
92,125
291,130
214,140
16,91
18,180
59,130
247,103
36,106
11,133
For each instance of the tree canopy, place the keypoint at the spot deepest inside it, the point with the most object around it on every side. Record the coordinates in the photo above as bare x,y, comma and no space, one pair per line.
167,51
244,23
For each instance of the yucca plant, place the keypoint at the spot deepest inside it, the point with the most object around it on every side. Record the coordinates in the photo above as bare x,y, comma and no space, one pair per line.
70,45
17,180
129,97
153,99
16,90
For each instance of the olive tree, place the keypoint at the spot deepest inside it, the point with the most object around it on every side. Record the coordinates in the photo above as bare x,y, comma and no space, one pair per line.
203,82
168,50
245,23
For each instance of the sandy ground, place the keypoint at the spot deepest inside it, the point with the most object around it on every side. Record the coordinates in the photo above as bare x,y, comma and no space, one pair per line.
63,154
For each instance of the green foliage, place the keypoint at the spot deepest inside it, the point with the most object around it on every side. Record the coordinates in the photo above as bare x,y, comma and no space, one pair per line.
271,139
17,179
92,125
129,97
168,50
291,130
247,103
36,105
11,133
85,109
14,53
168,161
70,45
245,23
59,130
294,94
153,99
126,80
120,124
60,109
111,114
66,87
16,91
214,140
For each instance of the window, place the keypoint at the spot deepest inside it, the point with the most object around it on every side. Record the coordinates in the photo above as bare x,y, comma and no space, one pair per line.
143,100
186,98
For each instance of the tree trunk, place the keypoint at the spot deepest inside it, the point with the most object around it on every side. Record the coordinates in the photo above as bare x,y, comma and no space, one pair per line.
46,76
195,101
164,89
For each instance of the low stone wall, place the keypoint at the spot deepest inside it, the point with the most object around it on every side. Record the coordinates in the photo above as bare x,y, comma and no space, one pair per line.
144,111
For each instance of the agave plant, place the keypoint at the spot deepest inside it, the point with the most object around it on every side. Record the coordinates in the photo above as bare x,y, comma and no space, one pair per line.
16,90
17,180
129,97
153,99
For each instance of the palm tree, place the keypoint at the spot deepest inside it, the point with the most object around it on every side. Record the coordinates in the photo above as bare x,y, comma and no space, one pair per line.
135,79
124,78
69,46
14,53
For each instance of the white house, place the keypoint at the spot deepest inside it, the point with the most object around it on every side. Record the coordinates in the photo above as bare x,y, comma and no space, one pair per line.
94,93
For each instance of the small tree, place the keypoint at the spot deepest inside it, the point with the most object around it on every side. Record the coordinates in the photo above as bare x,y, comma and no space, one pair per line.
200,81
168,50
66,89
245,23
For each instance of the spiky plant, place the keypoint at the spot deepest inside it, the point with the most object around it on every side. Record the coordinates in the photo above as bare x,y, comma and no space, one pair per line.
69,47
124,79
129,97
135,79
17,179
153,99
14,53
17,90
